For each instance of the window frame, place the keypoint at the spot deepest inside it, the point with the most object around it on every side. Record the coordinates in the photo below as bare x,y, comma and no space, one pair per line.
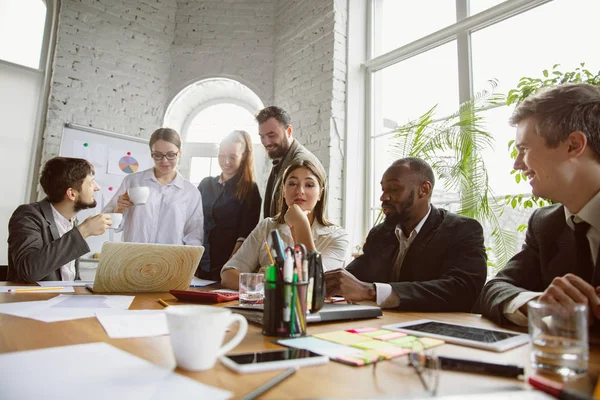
461,32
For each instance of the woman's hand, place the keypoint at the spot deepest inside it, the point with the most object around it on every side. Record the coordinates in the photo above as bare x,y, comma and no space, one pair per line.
295,216
123,203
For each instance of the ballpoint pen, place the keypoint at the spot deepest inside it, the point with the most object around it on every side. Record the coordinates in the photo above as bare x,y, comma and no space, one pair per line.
269,385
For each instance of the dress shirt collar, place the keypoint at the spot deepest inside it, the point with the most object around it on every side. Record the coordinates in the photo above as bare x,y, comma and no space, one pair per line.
178,181
415,232
60,219
589,213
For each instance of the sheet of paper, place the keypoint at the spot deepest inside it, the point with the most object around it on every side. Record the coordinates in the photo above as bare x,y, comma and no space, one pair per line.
322,347
134,323
67,289
197,282
94,371
66,307
506,395
64,283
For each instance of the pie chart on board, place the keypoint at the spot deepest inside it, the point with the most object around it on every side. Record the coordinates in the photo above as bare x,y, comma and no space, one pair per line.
128,164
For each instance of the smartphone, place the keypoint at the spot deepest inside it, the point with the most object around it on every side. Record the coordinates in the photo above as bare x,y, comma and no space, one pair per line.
270,360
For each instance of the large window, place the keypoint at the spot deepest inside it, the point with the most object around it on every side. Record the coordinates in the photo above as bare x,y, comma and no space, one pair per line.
443,52
22,24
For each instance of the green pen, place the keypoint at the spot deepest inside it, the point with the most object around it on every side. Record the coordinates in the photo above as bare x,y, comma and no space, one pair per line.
293,305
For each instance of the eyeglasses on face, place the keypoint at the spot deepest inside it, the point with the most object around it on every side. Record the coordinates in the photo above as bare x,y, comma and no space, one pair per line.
169,156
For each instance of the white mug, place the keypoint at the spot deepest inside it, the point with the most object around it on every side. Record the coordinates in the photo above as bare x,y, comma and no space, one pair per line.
116,219
138,195
197,334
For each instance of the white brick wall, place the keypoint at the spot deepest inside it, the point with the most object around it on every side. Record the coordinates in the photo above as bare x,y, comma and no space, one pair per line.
310,78
111,67
118,64
224,38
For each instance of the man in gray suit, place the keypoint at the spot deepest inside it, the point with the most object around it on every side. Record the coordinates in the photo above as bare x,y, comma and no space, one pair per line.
275,130
558,140
43,242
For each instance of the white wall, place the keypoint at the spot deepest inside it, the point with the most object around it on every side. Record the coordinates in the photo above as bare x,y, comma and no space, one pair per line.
19,96
310,82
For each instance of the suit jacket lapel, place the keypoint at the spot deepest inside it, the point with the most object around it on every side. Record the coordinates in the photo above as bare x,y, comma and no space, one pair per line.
47,211
416,249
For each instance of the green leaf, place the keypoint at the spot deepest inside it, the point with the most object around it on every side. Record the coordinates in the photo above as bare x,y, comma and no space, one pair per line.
521,227
545,72
518,178
513,203
511,142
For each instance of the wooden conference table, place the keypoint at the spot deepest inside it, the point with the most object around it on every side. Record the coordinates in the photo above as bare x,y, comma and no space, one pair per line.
392,378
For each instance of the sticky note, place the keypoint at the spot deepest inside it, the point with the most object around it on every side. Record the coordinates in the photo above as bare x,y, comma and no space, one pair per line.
406,341
319,346
431,342
390,336
362,330
342,337
371,344
391,352
375,333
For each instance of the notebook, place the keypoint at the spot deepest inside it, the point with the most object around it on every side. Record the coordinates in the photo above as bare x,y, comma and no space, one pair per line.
145,267
329,312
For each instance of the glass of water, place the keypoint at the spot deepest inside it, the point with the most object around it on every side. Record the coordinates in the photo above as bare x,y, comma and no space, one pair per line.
559,338
252,288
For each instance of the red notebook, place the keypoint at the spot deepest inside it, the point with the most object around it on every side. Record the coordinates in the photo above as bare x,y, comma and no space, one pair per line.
204,297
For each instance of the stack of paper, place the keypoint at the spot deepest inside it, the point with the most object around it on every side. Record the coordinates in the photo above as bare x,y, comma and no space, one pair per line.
94,371
66,307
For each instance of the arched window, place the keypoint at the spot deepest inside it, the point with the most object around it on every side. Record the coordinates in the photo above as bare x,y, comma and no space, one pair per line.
204,113
22,26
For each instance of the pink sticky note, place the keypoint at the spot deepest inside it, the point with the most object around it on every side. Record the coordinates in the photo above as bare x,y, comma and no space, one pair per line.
361,330
390,336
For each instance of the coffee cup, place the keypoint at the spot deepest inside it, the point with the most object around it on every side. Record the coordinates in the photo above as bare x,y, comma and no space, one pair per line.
197,334
116,219
138,195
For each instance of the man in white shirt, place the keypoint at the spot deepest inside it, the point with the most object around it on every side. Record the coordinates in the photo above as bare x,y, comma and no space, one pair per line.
43,243
558,139
421,258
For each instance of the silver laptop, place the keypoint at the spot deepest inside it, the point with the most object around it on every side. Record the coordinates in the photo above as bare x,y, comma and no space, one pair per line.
144,267
329,312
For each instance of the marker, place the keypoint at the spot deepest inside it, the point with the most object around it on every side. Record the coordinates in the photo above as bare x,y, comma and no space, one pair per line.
556,389
288,277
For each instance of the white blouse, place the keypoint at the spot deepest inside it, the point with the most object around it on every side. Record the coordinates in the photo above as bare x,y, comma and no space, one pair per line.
172,214
331,241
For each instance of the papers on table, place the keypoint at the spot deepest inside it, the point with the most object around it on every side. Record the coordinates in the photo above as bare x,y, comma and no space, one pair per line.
94,371
37,289
64,283
197,282
134,323
66,307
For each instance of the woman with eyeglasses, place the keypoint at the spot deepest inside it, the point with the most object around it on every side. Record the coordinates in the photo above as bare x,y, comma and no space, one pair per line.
301,220
231,203
173,212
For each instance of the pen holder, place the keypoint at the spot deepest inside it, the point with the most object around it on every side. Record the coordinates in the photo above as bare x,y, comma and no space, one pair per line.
285,308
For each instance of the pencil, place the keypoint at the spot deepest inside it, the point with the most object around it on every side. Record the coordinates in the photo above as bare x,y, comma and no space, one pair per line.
269,385
34,289
269,253
164,303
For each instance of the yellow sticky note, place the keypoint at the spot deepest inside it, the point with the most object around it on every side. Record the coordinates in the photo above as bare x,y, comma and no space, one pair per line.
371,344
406,342
430,342
342,337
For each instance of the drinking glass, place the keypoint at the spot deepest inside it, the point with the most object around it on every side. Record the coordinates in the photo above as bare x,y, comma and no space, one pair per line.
559,338
252,288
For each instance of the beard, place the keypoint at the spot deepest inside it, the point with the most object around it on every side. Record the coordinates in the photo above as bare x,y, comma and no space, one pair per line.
403,210
80,205
280,150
